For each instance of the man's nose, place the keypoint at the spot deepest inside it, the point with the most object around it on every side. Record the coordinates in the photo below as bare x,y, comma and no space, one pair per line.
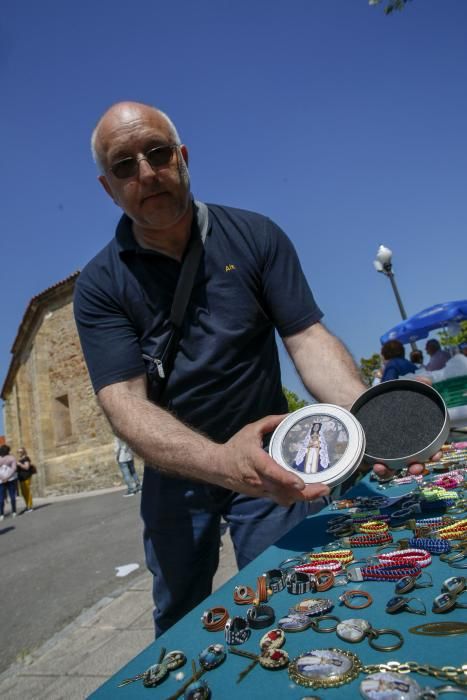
145,169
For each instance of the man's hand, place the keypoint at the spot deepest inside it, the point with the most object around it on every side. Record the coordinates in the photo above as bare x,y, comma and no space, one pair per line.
248,469
382,472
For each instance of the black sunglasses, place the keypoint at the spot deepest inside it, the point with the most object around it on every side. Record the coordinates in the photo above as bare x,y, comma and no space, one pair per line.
156,157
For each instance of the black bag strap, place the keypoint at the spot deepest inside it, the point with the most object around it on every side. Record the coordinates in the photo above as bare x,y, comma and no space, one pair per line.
162,366
190,265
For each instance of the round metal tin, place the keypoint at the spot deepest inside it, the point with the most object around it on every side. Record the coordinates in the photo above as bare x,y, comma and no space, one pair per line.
405,421
322,443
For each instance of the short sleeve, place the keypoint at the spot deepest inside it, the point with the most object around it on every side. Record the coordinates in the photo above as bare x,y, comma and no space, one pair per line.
289,300
108,339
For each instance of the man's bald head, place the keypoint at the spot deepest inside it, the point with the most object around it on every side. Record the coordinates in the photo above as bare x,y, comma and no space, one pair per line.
124,112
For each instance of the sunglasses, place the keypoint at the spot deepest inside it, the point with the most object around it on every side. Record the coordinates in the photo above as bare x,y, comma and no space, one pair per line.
156,157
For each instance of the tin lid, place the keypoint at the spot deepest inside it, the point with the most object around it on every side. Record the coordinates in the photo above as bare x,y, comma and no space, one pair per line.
322,443
404,420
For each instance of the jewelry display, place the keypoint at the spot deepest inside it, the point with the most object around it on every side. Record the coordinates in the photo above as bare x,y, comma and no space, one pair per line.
260,616
408,583
355,630
272,657
400,602
454,585
243,595
298,582
215,619
275,580
329,668
313,606
210,658
155,674
237,630
445,602
347,598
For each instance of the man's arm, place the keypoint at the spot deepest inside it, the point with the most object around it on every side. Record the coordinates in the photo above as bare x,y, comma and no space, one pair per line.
162,440
325,366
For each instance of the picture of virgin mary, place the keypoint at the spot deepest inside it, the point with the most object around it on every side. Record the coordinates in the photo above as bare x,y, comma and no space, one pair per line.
312,455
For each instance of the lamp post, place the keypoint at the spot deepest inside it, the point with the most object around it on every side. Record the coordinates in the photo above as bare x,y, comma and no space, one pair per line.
383,263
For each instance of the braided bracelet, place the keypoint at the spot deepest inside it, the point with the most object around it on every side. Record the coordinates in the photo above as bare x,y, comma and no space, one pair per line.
434,546
418,557
373,526
367,540
387,573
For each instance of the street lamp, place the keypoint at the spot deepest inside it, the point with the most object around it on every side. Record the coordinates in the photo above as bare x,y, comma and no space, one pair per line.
383,263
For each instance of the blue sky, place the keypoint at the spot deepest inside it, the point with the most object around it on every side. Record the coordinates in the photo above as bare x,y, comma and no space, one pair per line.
345,126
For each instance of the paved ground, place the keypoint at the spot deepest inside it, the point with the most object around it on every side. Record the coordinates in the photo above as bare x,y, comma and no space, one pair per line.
99,641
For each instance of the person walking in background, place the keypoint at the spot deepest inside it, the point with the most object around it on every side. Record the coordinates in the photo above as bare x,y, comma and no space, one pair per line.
395,362
125,460
8,479
26,470
438,357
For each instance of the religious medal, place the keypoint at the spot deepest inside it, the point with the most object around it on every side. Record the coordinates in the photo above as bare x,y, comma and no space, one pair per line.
399,602
294,622
211,657
321,443
393,686
271,657
156,673
454,585
324,668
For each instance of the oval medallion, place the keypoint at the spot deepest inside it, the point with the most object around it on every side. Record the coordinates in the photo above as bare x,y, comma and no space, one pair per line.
174,659
353,630
274,658
212,656
272,640
154,675
294,623
324,668
390,686
199,690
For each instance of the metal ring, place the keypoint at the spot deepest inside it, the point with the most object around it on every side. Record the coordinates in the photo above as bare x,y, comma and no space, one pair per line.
355,594
317,620
387,647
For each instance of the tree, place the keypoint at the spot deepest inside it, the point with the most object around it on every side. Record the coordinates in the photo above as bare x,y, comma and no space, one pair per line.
293,400
453,340
391,6
368,366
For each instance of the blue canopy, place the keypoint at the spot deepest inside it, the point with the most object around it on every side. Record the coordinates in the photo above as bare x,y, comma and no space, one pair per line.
420,325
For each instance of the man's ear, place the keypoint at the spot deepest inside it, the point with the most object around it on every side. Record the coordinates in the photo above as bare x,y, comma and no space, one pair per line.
184,152
104,182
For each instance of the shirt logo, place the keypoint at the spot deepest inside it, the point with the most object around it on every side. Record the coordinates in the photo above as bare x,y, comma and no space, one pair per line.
228,268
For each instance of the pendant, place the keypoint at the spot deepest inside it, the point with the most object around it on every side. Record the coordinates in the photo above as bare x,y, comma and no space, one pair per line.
272,640
382,686
212,656
294,623
324,668
353,630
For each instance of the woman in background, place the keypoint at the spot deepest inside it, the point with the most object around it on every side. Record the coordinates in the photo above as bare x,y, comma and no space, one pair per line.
8,480
25,472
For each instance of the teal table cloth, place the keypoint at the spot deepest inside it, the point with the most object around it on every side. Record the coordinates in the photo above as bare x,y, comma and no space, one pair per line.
189,635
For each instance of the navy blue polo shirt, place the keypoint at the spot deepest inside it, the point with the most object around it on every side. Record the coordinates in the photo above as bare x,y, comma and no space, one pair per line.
226,372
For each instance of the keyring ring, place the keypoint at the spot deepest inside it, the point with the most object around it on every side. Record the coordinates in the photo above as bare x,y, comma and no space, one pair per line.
344,598
387,647
215,619
315,623
243,595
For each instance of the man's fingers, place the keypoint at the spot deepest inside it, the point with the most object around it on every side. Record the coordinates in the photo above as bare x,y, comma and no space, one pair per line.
281,479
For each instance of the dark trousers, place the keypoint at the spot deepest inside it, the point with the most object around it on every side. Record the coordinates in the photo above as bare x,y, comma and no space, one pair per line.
182,537
10,487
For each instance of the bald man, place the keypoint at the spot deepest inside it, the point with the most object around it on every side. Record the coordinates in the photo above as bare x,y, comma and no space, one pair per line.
202,442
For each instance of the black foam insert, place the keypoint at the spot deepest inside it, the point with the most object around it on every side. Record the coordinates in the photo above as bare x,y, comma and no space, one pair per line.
399,423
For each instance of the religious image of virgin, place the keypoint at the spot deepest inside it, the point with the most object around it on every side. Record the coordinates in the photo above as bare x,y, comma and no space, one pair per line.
312,455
